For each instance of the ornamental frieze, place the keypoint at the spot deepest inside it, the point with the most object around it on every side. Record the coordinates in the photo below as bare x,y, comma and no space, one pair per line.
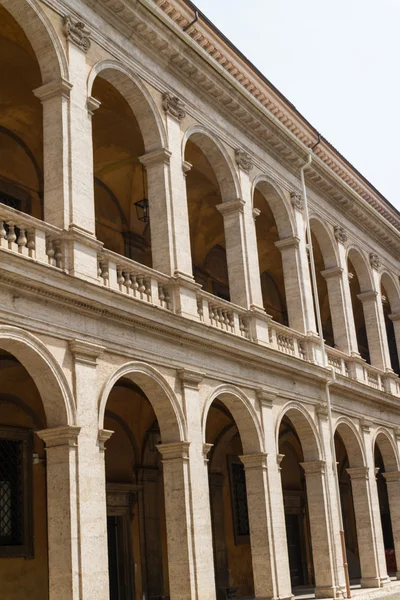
76,32
173,106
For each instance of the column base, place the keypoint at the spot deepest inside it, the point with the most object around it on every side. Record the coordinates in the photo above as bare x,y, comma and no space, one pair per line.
329,592
370,582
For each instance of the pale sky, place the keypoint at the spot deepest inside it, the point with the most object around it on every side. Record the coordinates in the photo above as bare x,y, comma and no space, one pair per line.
338,62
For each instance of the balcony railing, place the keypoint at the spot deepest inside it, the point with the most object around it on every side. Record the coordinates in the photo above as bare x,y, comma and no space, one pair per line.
30,237
133,279
35,240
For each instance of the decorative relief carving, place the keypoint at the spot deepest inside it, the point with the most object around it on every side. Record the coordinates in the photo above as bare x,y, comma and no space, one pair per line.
374,260
77,33
340,234
296,200
174,106
243,160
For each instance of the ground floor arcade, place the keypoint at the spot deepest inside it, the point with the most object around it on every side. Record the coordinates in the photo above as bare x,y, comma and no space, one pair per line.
124,480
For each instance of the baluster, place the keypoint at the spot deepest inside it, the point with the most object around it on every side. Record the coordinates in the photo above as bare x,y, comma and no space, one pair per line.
127,281
167,297
3,234
161,293
31,243
200,309
135,285
142,287
98,267
231,321
147,290
58,255
104,272
50,251
211,313
120,278
11,237
22,240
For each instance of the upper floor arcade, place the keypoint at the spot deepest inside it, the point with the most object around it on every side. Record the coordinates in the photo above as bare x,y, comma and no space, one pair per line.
109,176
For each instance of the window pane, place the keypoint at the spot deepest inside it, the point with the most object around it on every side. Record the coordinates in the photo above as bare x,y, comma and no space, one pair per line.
11,493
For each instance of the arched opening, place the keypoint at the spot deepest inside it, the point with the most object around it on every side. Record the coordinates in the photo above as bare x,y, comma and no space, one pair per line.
297,518
358,284
347,506
324,258
120,180
229,508
137,539
21,121
208,183
389,296
385,464
266,198
23,504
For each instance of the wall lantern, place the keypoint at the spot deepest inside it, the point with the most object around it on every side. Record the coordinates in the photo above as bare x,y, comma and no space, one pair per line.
142,206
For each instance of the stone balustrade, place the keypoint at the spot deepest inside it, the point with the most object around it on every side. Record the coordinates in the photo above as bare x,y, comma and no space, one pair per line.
133,279
31,238
287,341
222,314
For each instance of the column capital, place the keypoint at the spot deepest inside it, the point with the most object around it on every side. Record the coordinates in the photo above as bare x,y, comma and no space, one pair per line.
186,167
292,242
103,436
313,467
233,206
254,461
332,273
156,157
392,476
60,436
266,398
358,473
190,379
367,296
85,353
206,450
92,104
174,451
395,317
279,459
61,88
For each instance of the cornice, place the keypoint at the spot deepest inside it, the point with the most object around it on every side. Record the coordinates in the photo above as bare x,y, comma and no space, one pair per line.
284,134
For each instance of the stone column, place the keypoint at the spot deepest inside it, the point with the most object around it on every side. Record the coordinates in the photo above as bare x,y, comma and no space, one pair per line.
68,156
378,327
393,490
275,515
218,527
62,512
376,521
92,506
376,342
331,501
337,280
190,564
262,549
321,541
298,290
369,562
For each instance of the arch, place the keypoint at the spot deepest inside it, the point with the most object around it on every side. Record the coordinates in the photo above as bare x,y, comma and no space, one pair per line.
387,448
160,395
243,414
219,159
58,401
305,429
361,267
137,96
278,205
324,237
392,290
352,442
43,38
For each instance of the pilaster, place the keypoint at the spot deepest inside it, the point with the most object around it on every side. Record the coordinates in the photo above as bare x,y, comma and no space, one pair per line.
393,490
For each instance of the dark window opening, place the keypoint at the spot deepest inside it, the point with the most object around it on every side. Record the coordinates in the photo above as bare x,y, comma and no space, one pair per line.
15,492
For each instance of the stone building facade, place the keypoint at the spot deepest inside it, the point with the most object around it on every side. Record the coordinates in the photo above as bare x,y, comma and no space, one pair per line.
166,406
